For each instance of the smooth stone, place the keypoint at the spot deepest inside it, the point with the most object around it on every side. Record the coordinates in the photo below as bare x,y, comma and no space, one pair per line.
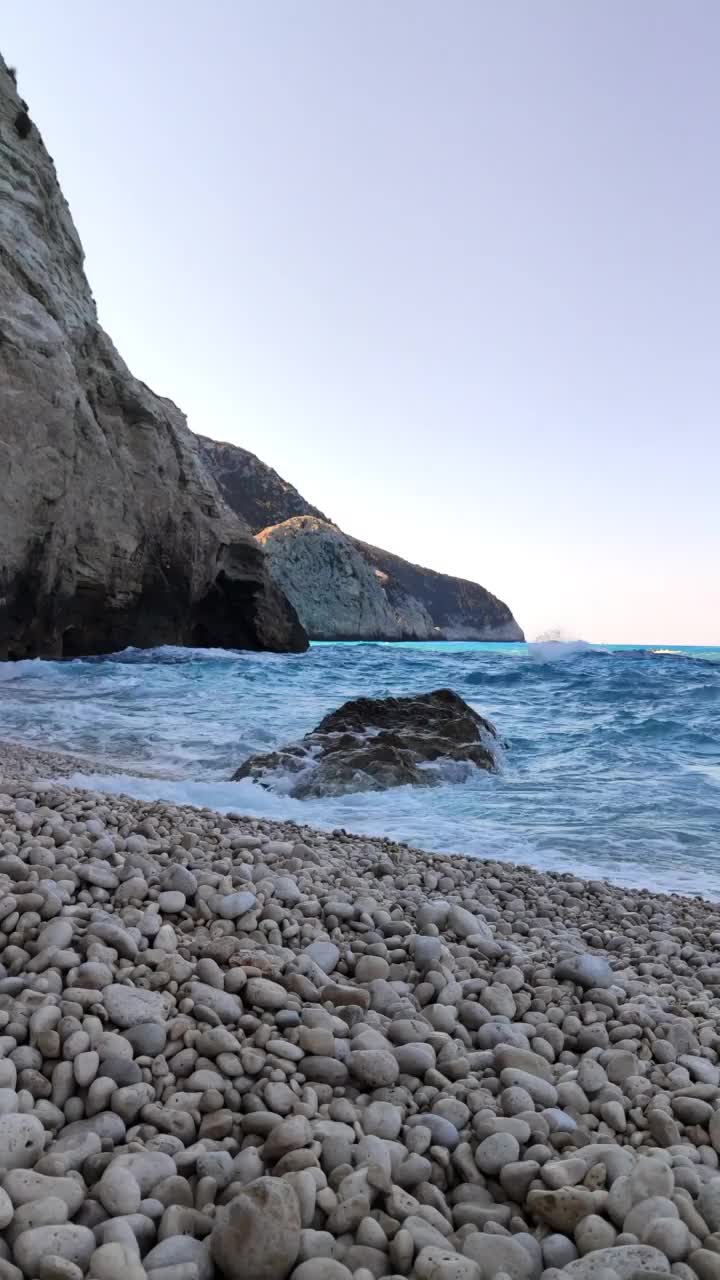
234,905
265,994
50,1212
585,970
321,1269
22,1138
467,925
496,1151
257,1235
594,1232
324,954
375,1068
434,1263
228,1007
118,1191
176,1250
646,1211
495,1253
147,1039
382,1119
6,1209
443,1132
669,1235
558,1251
289,1135
562,1209
415,1059
25,1186
75,1244
705,1264
148,1168
426,952
324,1070
626,1261
128,1006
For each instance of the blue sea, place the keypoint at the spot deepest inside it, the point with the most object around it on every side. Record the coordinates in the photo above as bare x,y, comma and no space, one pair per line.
611,768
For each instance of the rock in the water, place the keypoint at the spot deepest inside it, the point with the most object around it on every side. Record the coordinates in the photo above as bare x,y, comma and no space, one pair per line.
371,744
257,1235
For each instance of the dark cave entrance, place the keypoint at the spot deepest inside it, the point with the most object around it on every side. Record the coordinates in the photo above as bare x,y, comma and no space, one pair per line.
72,643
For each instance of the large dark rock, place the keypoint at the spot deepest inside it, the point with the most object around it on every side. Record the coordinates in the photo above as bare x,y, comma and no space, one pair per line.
371,744
112,530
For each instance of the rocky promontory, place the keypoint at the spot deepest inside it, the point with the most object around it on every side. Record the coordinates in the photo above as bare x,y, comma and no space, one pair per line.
112,531
342,588
336,592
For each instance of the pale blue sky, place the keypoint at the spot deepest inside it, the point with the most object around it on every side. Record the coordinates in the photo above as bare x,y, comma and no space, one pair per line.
453,268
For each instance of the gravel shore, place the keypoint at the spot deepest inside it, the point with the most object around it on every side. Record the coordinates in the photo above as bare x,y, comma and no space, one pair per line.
245,1050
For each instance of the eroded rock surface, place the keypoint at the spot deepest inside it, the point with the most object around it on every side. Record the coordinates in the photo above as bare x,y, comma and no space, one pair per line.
341,587
112,531
335,591
370,744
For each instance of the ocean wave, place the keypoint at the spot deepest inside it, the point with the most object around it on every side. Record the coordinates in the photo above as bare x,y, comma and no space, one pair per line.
29,668
558,650
611,763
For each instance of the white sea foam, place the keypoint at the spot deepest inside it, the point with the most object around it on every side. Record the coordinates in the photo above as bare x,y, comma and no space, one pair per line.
556,650
26,667
582,740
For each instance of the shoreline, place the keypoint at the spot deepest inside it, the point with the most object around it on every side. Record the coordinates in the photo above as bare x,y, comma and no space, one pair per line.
32,764
222,1031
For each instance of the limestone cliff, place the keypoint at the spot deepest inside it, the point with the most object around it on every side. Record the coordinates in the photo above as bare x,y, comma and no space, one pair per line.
341,587
112,531
333,587
460,609
253,489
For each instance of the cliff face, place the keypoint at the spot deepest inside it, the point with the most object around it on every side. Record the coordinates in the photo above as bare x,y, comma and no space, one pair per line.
333,587
251,488
112,531
462,610
341,587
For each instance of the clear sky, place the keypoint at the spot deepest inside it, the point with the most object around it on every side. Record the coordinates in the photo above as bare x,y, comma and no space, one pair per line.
452,267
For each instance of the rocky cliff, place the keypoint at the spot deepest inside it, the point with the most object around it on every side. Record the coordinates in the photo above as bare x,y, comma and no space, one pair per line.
462,610
341,587
336,592
253,489
112,531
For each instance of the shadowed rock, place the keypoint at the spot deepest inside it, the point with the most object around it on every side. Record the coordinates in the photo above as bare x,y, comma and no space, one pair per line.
112,530
370,744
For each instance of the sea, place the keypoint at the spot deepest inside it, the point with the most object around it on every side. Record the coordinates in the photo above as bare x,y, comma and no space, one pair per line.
610,767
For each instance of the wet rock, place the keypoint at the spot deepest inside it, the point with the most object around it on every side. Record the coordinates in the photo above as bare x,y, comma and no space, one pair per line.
372,744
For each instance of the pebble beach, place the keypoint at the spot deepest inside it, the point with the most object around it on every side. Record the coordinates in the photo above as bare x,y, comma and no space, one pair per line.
247,1050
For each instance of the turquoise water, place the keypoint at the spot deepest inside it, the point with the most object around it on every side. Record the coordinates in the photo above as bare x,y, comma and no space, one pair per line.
611,769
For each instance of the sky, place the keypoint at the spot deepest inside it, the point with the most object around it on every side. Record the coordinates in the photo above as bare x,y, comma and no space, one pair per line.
451,267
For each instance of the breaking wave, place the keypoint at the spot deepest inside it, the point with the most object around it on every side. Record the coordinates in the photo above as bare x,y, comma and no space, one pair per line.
611,767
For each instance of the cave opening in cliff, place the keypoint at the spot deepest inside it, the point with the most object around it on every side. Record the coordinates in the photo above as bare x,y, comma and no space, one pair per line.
72,643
